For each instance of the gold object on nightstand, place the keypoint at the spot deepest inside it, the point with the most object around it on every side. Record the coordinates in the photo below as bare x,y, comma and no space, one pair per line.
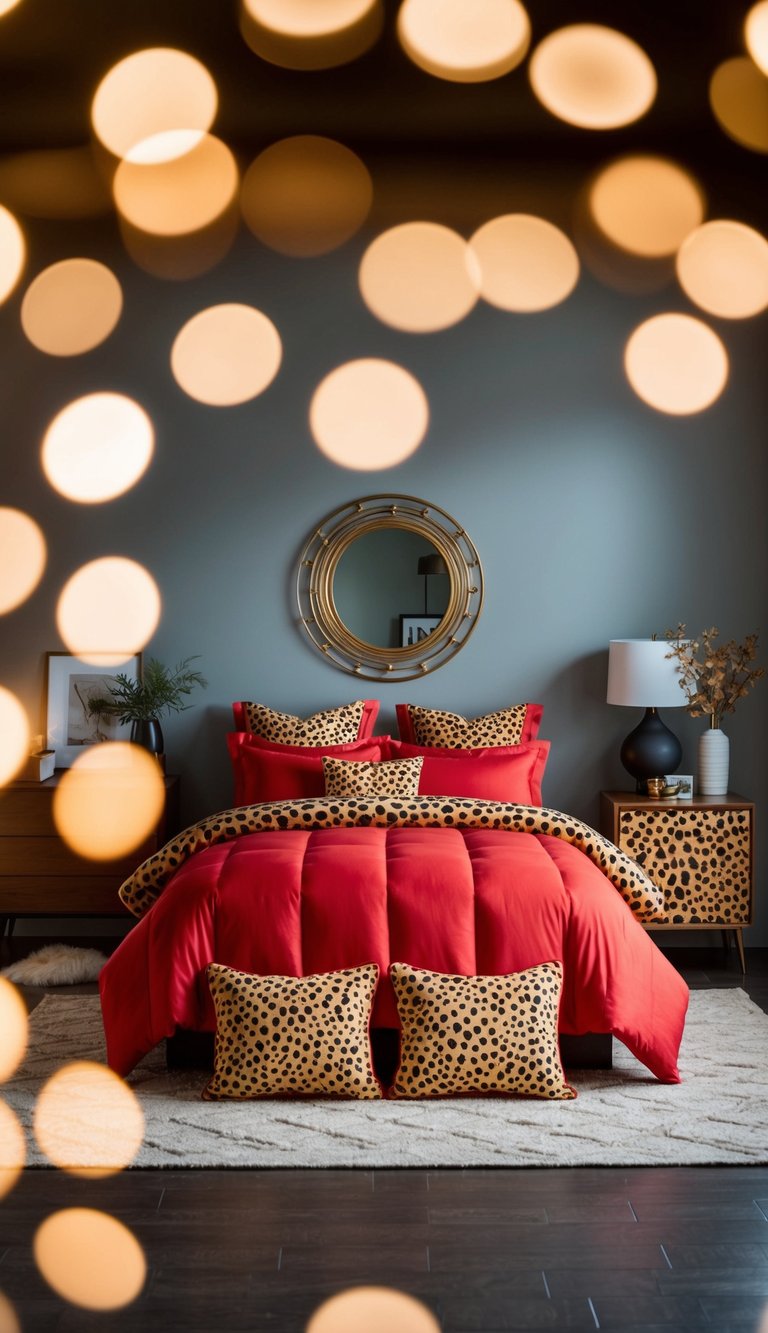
655,786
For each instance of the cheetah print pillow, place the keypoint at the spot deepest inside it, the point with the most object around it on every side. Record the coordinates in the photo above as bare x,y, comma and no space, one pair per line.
292,1035
479,1034
392,777
432,726
333,726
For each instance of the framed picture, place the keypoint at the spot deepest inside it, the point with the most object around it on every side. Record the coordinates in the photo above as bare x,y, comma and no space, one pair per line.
685,782
72,686
415,629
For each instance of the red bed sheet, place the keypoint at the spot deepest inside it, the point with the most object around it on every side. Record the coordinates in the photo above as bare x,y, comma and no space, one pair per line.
466,901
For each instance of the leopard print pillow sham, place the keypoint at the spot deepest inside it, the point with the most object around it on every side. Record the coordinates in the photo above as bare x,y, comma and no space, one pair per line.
392,777
433,726
292,1036
479,1034
332,726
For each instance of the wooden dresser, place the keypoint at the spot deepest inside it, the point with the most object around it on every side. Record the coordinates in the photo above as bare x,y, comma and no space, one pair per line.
40,876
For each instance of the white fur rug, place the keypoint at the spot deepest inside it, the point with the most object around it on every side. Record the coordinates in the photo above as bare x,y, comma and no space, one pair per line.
56,965
622,1117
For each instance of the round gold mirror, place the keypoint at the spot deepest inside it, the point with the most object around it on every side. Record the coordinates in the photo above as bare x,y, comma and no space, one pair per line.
389,587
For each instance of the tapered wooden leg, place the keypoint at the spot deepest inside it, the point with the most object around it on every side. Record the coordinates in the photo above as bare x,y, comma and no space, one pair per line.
740,946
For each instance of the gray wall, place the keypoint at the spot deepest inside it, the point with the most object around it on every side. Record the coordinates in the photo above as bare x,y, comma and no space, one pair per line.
595,516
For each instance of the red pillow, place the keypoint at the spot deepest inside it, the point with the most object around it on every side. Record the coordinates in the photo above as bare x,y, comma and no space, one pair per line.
263,771
510,773
367,721
533,716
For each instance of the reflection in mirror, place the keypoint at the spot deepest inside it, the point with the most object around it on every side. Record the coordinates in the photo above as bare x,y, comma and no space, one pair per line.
387,574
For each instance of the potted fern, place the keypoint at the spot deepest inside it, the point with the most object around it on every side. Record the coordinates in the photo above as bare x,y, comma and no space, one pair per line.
161,689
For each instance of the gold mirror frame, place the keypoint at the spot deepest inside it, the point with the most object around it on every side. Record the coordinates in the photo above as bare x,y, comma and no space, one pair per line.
319,561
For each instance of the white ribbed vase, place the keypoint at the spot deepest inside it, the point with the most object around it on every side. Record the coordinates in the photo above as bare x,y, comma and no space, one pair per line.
714,756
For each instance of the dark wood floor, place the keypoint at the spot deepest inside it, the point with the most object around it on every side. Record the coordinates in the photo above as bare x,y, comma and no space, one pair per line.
638,1249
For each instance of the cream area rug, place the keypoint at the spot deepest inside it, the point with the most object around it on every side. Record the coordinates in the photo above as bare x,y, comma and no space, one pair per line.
622,1117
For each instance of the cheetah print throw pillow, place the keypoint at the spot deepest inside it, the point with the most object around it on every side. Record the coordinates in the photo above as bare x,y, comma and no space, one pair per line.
479,1034
432,726
392,777
292,1035
333,726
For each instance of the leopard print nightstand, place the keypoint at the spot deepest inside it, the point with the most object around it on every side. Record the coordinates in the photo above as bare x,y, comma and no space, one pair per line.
699,852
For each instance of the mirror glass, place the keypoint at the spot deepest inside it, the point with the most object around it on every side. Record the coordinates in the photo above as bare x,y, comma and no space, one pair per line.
391,588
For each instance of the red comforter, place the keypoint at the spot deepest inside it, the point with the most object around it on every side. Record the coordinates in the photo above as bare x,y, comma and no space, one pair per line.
489,893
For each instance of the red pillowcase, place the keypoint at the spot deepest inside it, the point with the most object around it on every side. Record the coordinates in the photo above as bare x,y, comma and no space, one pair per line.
510,773
265,771
533,716
367,721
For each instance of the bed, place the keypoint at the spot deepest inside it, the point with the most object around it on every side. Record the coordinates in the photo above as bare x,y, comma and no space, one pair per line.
455,885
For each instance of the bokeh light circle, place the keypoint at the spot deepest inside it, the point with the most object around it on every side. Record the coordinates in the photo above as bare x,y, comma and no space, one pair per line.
13,252
87,1120
109,801
465,41
369,414
97,447
723,267
14,1027
756,34
592,76
308,18
22,557
738,94
13,1155
526,263
90,1259
676,364
14,735
6,6
180,195
647,205
71,307
226,354
149,93
108,610
306,195
373,1309
9,1322
419,277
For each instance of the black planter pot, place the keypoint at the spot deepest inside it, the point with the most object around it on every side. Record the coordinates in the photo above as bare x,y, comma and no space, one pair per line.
149,734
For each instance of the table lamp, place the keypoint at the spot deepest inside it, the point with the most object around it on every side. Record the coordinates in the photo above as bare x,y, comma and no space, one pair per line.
641,675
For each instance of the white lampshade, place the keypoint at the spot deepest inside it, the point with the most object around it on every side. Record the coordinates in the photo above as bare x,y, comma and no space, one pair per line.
640,675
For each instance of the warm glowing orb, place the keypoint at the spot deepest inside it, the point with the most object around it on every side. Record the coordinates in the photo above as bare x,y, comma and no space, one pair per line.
150,93
306,195
14,735
9,1322
13,1154
90,1259
593,77
7,5
13,252
647,205
308,18
526,263
87,1120
369,415
226,354
109,801
375,1309
756,34
97,447
13,1030
177,196
723,267
466,41
676,364
71,307
311,34
22,558
419,277
738,93
108,610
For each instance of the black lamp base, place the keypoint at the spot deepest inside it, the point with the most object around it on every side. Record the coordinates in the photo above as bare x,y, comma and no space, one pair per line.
651,750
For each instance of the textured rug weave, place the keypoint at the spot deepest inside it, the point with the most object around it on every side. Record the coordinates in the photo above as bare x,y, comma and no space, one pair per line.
622,1117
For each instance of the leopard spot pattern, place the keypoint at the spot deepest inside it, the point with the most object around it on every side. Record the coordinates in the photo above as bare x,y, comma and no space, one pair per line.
479,1034
292,1036
700,859
451,731
332,726
391,777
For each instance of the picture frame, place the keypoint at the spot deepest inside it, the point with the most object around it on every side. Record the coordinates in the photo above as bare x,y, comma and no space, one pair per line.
415,628
686,784
69,727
